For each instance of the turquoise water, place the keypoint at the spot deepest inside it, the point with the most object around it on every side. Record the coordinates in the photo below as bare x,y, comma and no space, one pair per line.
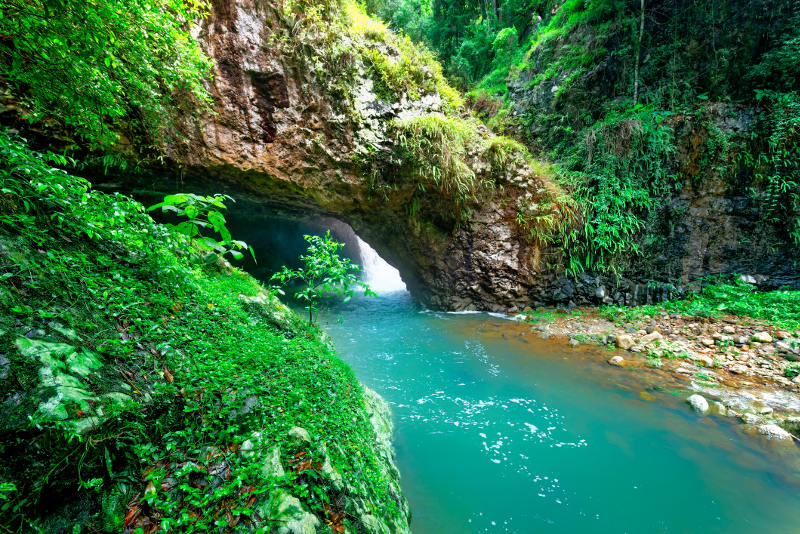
497,431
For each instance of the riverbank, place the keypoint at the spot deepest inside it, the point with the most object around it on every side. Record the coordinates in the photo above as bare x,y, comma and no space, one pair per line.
747,367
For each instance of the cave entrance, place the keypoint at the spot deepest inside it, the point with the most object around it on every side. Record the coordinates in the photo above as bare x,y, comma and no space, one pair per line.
277,240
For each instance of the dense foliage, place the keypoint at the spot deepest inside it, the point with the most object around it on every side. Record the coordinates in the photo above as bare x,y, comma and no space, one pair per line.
157,370
99,66
720,298
602,87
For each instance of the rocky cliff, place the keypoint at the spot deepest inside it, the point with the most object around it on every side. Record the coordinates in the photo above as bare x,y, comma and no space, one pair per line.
319,109
322,110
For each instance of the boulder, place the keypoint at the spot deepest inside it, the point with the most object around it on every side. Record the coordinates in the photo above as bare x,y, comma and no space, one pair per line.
698,403
624,341
762,337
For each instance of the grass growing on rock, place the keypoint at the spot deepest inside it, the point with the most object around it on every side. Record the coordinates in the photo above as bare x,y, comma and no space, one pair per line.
187,361
398,65
780,308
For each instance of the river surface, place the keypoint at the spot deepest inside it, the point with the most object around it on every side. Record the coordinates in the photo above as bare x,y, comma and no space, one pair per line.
498,431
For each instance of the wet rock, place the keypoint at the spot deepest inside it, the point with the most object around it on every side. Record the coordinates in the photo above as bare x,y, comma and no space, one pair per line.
653,336
738,369
698,403
750,418
762,337
791,424
774,432
619,361
624,341
719,409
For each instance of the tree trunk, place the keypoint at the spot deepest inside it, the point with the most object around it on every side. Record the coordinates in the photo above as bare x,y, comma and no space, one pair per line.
638,56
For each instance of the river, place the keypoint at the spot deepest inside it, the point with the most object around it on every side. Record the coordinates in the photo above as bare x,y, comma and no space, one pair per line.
498,431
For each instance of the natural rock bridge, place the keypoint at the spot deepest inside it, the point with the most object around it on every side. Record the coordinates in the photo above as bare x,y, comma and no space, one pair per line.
289,132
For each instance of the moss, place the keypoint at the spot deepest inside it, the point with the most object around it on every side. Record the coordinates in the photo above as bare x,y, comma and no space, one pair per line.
399,66
146,366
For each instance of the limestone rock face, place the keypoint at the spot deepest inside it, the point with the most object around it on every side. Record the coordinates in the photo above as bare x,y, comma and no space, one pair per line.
290,131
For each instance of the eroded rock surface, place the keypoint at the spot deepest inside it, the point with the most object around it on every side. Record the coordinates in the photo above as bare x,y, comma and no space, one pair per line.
292,131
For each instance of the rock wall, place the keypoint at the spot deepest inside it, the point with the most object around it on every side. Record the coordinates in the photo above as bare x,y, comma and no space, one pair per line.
283,134
289,131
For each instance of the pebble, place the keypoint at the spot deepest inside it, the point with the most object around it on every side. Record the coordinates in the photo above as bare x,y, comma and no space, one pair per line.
729,329
619,361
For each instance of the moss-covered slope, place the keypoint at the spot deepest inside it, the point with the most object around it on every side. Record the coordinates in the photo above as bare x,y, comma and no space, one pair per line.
142,386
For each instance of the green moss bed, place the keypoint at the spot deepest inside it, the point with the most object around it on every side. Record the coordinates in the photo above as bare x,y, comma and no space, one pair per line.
144,387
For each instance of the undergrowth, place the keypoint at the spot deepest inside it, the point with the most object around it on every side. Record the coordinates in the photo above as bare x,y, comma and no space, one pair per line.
780,308
185,372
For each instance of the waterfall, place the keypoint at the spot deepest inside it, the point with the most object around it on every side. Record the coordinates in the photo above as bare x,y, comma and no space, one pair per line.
381,277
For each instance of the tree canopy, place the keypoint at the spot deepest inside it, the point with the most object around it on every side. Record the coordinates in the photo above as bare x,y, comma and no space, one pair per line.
96,65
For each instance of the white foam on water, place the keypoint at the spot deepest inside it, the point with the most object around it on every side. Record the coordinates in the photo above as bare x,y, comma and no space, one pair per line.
381,277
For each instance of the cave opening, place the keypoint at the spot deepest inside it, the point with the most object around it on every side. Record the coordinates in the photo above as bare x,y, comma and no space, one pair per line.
277,239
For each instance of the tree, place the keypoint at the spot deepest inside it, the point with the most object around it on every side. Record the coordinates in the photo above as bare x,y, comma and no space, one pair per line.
96,66
324,273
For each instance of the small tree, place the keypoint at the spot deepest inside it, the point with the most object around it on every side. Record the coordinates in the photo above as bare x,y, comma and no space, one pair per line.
324,273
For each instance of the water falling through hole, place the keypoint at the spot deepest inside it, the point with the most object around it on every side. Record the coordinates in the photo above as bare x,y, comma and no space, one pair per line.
381,277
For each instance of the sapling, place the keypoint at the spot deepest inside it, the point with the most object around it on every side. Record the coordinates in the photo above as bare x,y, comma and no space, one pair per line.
324,272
